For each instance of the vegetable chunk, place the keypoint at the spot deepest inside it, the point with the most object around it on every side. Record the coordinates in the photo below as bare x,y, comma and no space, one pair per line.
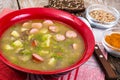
8,47
15,34
17,43
52,61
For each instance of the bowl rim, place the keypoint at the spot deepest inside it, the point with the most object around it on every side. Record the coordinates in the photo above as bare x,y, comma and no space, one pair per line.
99,22
32,13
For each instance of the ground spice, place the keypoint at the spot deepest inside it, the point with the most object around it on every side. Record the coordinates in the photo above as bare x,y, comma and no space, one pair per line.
113,40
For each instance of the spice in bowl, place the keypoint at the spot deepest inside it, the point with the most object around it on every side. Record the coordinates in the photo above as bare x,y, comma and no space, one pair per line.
102,16
113,40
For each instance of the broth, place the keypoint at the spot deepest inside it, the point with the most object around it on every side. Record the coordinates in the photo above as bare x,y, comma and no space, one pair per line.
42,45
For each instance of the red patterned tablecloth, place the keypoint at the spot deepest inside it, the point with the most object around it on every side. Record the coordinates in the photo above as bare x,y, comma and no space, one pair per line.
7,73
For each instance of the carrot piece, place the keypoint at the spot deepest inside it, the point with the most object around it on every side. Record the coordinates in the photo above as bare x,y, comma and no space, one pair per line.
34,43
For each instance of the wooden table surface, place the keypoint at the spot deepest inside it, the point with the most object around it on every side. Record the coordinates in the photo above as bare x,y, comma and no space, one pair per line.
40,3
20,4
13,4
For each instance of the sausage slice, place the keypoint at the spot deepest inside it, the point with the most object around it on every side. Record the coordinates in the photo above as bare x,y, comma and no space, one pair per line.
48,23
53,28
71,34
33,30
36,57
37,25
59,37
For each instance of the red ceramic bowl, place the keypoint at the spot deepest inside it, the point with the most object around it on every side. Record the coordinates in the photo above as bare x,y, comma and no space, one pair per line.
53,14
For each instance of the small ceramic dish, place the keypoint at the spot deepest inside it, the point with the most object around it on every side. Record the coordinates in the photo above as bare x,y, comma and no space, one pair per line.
111,41
102,16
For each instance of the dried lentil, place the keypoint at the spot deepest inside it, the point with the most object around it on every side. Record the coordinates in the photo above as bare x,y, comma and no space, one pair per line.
102,16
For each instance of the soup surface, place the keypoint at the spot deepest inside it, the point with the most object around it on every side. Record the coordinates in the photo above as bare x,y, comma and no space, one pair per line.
42,45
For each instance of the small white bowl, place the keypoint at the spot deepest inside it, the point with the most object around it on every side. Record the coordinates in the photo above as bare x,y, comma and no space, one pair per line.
98,24
110,49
